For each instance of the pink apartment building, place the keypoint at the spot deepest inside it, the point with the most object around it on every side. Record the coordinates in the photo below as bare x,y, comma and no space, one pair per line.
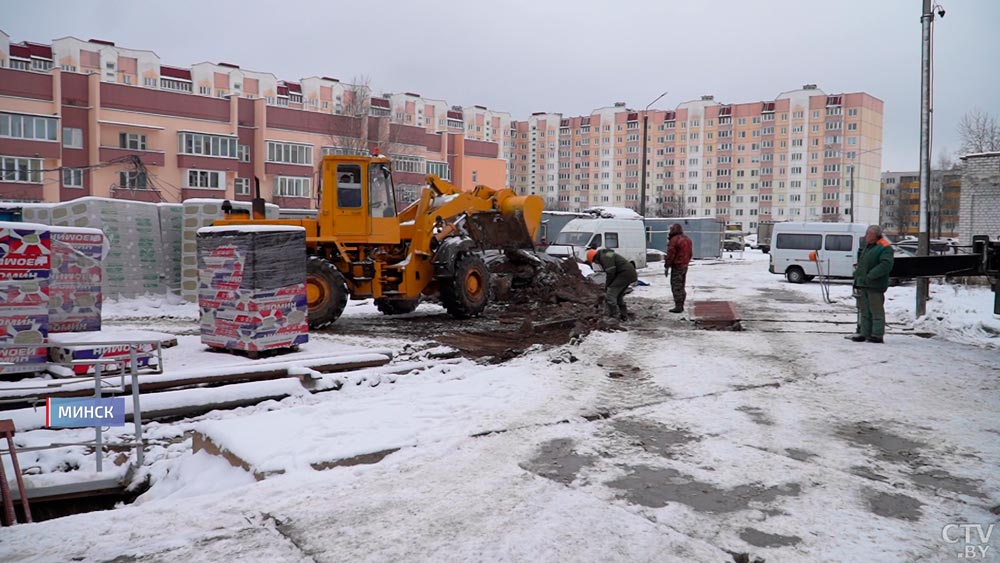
78,117
786,159
88,118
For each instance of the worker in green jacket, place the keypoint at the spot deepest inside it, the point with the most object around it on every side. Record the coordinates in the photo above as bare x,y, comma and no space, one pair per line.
871,279
619,273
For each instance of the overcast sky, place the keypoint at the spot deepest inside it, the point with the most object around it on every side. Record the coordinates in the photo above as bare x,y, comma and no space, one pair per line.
572,56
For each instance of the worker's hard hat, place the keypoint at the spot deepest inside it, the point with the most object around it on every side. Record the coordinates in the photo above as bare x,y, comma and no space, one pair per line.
591,254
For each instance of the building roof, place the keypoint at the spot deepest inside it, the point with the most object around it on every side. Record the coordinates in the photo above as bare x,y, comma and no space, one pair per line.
38,50
980,154
174,72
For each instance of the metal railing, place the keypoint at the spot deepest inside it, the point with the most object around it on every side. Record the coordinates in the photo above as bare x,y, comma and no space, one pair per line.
139,348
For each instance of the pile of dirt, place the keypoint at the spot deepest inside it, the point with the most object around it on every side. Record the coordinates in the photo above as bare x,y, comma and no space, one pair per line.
544,300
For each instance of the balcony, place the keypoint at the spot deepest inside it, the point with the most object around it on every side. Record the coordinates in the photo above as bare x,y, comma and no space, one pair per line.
148,158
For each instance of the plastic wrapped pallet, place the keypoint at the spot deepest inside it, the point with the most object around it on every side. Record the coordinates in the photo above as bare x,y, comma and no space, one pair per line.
198,213
75,282
69,347
251,287
171,231
25,262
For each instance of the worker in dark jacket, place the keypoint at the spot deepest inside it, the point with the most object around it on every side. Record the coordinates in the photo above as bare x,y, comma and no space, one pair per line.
871,279
619,273
676,264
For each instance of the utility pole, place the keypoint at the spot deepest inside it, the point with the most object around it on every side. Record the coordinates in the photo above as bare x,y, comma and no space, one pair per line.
645,133
923,236
852,192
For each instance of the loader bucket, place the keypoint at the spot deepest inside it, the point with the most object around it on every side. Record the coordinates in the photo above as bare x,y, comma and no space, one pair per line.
492,230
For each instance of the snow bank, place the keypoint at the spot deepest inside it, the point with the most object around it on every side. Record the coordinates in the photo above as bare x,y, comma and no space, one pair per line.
956,312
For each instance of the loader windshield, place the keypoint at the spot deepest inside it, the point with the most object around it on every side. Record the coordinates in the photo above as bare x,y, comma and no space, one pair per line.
381,200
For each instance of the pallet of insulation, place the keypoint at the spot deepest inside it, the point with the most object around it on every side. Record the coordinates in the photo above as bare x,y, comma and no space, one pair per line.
75,281
25,265
251,287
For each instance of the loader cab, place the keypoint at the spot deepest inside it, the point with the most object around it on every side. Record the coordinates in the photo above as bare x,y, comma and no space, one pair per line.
359,201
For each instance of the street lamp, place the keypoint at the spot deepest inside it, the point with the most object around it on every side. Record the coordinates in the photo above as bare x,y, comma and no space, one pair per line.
645,127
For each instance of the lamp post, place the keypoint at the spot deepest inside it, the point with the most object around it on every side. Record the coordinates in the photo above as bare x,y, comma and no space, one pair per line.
926,53
645,127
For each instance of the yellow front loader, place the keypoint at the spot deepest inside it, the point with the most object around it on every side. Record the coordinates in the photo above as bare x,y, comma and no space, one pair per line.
359,247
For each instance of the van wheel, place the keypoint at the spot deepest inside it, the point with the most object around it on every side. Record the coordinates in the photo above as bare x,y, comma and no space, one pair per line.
795,275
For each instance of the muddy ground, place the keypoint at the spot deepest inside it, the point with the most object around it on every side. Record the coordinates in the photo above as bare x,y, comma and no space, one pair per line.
546,304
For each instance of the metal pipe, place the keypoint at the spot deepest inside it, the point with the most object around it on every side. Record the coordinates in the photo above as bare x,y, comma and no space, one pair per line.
98,438
136,411
923,236
645,133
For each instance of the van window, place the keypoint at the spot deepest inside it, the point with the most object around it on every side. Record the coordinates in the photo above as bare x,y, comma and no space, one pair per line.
800,241
573,238
611,240
838,242
596,242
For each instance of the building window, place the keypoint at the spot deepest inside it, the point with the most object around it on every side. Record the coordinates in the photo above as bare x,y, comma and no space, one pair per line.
19,126
205,179
292,186
72,178
242,186
289,153
207,145
69,68
132,181
21,170
149,81
42,65
440,169
177,85
19,65
72,138
404,163
243,153
132,141
205,90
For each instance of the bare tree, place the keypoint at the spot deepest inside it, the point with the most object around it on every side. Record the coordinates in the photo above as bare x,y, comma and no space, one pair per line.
357,106
979,132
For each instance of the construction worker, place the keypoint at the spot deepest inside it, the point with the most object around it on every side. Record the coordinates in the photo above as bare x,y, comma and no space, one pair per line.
871,279
675,265
619,273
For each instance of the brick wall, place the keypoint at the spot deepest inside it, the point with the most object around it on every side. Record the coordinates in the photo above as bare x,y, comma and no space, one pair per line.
979,208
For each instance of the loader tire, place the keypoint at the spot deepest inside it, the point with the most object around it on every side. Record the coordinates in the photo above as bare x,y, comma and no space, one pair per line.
326,292
467,293
388,306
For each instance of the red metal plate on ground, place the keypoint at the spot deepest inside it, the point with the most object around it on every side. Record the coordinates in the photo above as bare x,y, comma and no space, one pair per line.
715,315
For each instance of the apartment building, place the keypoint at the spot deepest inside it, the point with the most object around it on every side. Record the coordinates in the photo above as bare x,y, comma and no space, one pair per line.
787,159
900,206
89,118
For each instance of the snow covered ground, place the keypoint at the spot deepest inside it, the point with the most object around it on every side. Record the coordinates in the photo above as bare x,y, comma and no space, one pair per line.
661,443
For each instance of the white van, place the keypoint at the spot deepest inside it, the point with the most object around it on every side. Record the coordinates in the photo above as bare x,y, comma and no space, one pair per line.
836,246
627,237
